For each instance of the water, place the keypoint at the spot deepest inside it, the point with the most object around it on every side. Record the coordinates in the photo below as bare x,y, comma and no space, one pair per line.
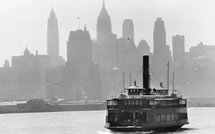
202,120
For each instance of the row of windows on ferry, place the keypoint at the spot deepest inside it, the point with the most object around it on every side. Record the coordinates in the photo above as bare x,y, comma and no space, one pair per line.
151,102
167,102
167,117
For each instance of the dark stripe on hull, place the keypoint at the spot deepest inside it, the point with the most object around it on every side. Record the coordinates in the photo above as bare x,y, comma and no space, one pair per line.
136,129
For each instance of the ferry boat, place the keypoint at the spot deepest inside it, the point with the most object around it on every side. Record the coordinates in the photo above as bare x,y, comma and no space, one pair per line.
146,109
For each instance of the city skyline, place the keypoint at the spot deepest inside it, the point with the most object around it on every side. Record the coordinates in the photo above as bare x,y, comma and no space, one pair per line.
31,28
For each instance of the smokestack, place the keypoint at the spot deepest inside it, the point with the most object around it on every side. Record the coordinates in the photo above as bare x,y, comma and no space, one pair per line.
146,81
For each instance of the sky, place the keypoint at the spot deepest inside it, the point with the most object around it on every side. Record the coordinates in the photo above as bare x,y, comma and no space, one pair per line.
23,23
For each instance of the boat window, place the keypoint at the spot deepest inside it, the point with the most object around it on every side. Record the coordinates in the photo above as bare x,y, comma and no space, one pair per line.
163,103
184,115
137,102
150,118
176,117
163,118
112,103
151,102
129,102
140,102
169,102
133,102
182,101
157,102
172,117
157,118
168,117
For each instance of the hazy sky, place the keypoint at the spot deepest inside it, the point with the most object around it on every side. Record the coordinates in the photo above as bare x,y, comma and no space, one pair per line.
25,21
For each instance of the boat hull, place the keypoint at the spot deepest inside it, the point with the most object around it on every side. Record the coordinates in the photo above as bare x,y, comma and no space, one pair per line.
161,127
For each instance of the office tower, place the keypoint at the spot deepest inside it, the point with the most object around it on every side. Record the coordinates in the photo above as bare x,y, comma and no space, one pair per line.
128,29
80,77
178,49
106,41
52,35
103,25
53,40
161,53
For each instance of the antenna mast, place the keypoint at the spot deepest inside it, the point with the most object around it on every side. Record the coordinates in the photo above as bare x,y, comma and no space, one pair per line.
130,79
123,81
173,82
168,75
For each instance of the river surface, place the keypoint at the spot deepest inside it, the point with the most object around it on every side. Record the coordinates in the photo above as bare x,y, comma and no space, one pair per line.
202,121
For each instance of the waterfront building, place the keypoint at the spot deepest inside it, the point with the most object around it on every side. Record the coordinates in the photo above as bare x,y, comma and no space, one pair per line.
25,79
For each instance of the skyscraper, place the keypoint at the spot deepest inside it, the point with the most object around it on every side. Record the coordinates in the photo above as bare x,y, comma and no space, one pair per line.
53,41
106,53
79,47
128,29
80,76
178,49
161,53
103,24
159,36
106,41
52,36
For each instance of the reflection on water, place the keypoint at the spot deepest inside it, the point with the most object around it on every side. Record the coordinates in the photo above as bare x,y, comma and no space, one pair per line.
202,120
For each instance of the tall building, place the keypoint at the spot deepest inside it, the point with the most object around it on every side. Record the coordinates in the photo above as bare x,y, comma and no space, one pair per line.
80,77
53,41
104,28
159,36
161,53
106,52
128,29
106,41
52,35
127,51
178,49
79,47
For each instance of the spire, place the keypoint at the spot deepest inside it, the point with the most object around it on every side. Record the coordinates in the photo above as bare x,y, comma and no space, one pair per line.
103,4
104,12
52,12
52,35
103,23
